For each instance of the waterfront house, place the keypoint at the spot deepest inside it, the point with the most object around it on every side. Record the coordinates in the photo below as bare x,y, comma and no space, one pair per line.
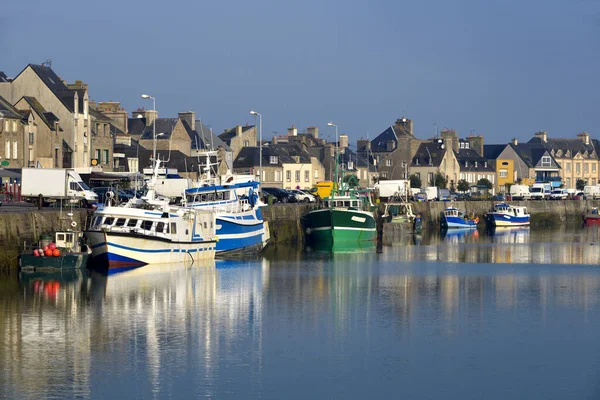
504,167
43,136
577,157
12,133
240,137
432,158
102,140
69,103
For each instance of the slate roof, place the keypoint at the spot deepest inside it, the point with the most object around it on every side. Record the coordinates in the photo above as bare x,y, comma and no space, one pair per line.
136,126
98,115
492,151
429,154
57,86
531,152
293,150
40,110
203,137
228,135
248,157
574,145
52,119
379,144
7,109
3,77
470,160
163,125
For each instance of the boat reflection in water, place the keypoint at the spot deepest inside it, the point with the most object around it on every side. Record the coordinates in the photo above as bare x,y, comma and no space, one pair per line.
343,247
509,234
460,235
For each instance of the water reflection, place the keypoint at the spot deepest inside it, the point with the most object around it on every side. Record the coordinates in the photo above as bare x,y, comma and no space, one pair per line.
236,327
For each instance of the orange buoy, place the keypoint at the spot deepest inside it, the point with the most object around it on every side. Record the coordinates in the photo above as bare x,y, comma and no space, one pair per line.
48,252
56,252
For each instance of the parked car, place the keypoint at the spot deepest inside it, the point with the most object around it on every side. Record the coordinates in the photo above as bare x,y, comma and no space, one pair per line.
303,196
279,195
120,194
499,197
558,194
420,197
578,196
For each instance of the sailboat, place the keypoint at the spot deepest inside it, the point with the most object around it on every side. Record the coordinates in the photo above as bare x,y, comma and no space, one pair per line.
345,216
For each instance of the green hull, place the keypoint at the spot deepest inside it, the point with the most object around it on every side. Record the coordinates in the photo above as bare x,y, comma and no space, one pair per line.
340,226
63,262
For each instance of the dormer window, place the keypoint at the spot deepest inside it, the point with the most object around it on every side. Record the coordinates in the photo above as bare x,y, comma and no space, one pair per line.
416,161
273,159
466,145
485,164
466,163
475,164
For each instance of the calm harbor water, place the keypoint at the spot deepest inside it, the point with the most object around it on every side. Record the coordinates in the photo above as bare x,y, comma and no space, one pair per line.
467,315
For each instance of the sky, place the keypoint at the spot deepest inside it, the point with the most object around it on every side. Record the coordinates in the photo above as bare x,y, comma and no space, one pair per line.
499,68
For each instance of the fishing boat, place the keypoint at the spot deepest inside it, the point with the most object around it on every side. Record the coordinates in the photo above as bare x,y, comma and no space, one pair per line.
128,237
453,218
591,216
240,226
346,215
507,215
64,250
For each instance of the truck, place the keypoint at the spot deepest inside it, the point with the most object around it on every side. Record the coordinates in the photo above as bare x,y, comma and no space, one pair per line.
520,192
433,193
55,184
391,188
591,192
322,189
540,191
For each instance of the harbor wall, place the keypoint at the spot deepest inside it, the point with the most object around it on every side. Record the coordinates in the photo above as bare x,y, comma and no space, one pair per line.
543,212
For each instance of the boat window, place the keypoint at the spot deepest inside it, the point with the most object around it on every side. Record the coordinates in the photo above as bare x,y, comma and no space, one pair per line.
109,220
160,226
132,222
60,236
219,196
205,225
226,196
120,222
173,227
146,225
346,204
69,238
210,197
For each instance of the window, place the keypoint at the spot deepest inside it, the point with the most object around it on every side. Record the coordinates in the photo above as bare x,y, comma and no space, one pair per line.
288,175
585,168
594,167
593,181
278,176
246,143
173,227
15,151
503,173
306,176
430,177
577,168
546,161
30,137
74,186
569,182
14,126
485,164
132,223
160,227
350,164
388,163
297,176
56,161
146,225
316,175
466,145
475,164
418,175
108,220
105,160
568,167
120,222
7,126
98,155
273,160
105,130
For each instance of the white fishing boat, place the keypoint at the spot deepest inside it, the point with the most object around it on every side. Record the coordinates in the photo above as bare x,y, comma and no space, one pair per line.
507,215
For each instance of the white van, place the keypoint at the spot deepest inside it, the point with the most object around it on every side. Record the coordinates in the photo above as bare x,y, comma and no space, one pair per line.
591,192
540,191
520,192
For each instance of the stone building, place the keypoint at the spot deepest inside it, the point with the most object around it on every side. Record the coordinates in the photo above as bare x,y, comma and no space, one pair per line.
239,137
12,135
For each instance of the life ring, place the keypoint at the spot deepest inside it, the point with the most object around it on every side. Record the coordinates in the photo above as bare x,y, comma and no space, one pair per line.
73,224
109,195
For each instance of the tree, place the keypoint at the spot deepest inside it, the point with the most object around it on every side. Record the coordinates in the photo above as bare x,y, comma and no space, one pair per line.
439,180
485,182
580,183
415,181
519,181
507,186
463,186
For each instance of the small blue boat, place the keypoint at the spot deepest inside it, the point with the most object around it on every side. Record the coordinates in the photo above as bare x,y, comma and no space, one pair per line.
506,215
453,218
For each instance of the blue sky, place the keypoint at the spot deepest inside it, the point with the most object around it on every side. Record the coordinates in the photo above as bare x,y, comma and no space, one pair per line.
500,68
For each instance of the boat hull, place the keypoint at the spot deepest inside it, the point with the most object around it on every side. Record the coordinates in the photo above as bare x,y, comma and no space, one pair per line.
499,219
64,262
458,223
339,226
241,235
118,252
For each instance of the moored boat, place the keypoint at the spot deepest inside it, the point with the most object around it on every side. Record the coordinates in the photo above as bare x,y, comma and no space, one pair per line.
591,216
507,215
453,218
65,252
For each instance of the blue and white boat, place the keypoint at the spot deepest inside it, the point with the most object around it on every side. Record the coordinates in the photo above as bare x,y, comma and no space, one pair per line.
506,215
240,226
453,218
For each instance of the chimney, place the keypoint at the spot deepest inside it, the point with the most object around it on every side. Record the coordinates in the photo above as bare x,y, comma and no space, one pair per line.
585,137
238,130
542,135
515,141
293,131
343,141
450,138
476,143
405,125
363,144
150,115
274,141
313,130
189,117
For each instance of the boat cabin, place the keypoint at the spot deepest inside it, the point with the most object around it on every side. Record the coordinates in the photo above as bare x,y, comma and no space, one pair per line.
68,240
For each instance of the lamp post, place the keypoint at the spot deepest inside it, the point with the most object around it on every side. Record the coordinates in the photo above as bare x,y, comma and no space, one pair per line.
145,96
252,112
336,150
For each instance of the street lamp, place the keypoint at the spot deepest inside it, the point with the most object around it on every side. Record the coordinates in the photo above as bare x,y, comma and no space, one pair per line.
252,112
146,96
336,150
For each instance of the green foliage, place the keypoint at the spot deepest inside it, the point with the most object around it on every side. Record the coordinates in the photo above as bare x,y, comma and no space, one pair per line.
463,186
415,181
580,184
439,180
485,182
